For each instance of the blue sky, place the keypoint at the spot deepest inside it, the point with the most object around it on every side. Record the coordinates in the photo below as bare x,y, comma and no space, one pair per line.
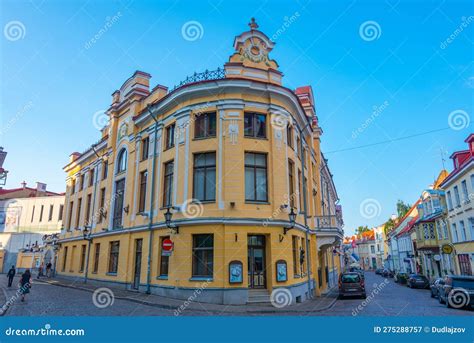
52,81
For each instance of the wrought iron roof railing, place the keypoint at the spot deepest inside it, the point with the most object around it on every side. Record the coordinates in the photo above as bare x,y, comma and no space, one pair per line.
217,74
328,222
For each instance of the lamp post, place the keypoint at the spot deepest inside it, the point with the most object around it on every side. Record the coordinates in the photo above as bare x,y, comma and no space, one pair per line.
87,236
292,218
168,219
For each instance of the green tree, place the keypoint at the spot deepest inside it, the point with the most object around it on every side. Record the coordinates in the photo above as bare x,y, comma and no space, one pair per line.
361,229
402,208
388,226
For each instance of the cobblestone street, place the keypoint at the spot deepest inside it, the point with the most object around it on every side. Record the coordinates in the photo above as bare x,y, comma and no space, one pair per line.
384,299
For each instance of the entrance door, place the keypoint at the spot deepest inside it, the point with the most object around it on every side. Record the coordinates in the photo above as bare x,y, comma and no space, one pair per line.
256,261
118,204
138,263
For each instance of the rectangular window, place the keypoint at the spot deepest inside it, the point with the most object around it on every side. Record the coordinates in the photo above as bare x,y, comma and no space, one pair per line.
256,177
450,201
91,177
164,259
142,191
114,256
294,249
78,212
168,184
33,214
101,205
291,181
105,170
145,148
300,192
71,262
203,255
464,191
463,230
83,258
255,125
73,186
50,215
170,136
204,176
96,257
60,214
64,259
302,256
471,228
88,210
205,125
81,182
456,196
41,213
289,136
454,233
69,220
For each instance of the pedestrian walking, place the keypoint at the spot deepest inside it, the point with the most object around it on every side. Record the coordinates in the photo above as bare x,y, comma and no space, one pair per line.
49,266
11,274
25,284
40,270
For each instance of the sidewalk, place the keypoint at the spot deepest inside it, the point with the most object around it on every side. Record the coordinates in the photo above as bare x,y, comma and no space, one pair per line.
314,305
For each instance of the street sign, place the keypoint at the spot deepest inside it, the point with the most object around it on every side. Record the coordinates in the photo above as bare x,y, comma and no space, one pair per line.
167,245
446,249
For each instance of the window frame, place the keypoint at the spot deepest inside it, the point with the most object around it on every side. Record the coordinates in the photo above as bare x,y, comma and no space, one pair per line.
197,259
168,178
113,257
207,169
95,267
162,261
254,116
142,191
207,131
170,131
122,161
145,148
255,168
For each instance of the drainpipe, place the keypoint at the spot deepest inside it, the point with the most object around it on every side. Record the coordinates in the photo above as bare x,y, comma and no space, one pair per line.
305,209
150,223
89,241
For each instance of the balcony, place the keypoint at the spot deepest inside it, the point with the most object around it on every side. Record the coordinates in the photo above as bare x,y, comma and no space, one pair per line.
328,230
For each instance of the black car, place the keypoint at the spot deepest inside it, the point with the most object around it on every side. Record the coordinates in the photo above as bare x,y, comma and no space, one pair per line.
457,291
401,278
379,271
418,281
436,286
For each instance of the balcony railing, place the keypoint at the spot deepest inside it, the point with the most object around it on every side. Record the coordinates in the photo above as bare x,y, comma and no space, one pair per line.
217,74
328,222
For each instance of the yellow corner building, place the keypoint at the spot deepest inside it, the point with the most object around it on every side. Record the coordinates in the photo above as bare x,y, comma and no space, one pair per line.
217,187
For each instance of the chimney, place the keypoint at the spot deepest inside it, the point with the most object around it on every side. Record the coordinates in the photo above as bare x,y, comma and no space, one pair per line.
23,185
40,187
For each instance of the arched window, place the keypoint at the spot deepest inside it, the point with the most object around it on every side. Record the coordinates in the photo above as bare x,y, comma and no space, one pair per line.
122,161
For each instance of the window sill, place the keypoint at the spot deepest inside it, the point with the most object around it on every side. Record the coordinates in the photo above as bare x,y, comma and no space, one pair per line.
257,202
203,138
201,278
111,274
162,277
168,148
257,138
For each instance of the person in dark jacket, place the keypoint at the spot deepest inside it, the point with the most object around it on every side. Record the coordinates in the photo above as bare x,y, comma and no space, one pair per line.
10,275
25,284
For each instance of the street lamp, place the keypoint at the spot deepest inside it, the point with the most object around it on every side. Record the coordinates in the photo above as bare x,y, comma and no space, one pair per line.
292,217
168,217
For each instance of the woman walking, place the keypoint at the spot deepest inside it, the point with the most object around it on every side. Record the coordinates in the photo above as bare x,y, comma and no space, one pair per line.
25,284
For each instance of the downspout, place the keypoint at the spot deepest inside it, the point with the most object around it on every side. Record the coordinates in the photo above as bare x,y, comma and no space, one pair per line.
305,209
150,223
89,241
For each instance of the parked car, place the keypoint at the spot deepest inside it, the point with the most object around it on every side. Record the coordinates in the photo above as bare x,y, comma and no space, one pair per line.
357,270
457,291
351,284
379,271
401,278
418,281
387,273
436,286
